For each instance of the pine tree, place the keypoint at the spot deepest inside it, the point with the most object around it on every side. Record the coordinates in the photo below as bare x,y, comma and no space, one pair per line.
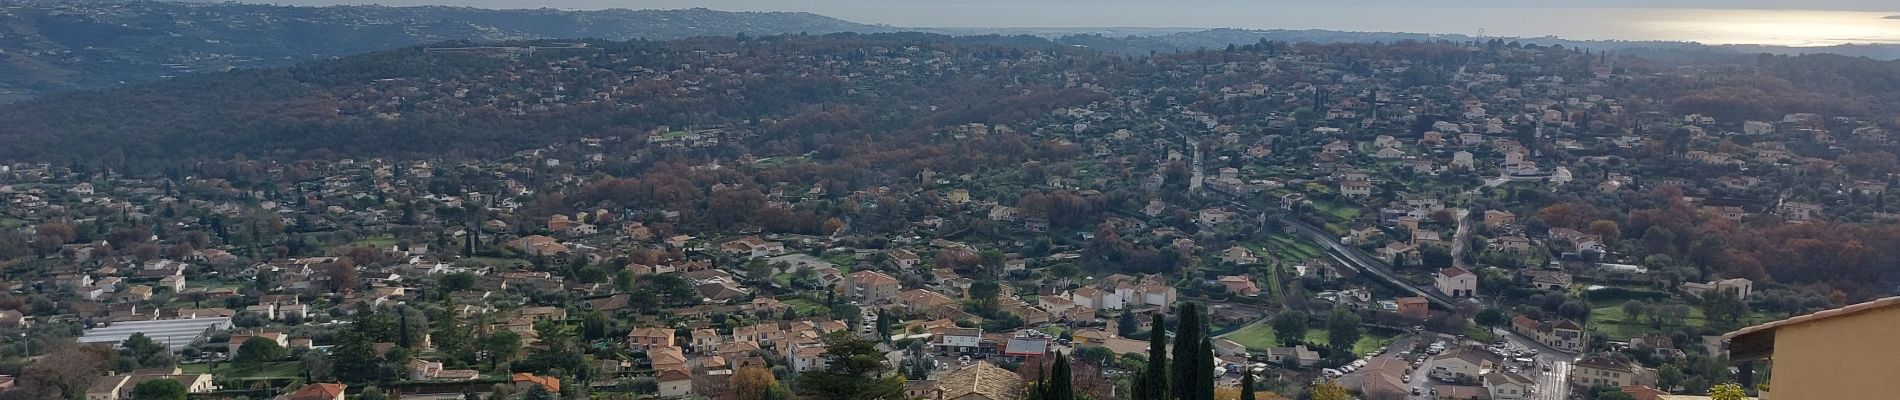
1152,384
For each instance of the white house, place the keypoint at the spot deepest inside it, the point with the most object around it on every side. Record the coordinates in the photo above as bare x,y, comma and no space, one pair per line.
1464,364
1457,282
1741,287
675,383
1096,298
1508,386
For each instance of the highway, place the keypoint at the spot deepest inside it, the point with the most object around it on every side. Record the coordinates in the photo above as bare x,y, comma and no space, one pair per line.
1363,262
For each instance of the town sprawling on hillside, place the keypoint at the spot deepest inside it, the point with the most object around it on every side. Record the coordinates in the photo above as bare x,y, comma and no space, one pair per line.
883,216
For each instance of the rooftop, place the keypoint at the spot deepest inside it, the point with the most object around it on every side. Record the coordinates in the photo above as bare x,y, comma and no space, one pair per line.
173,333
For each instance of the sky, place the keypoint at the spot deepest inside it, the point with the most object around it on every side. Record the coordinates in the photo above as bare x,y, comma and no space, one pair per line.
1780,22
796,5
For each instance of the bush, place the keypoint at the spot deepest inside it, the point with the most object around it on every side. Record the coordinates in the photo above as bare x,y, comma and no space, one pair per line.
257,349
158,389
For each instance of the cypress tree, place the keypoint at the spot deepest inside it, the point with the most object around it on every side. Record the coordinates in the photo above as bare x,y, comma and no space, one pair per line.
1246,384
1059,381
1190,359
1038,388
1204,376
1152,384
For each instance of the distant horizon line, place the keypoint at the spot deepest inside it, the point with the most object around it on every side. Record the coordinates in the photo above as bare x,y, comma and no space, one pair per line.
1084,27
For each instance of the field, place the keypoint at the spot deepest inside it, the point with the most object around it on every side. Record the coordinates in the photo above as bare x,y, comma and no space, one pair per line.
804,306
1260,337
379,242
1610,320
1338,212
1256,337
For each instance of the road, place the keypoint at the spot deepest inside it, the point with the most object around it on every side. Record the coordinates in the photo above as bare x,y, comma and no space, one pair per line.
1553,384
1461,240
1200,176
1365,262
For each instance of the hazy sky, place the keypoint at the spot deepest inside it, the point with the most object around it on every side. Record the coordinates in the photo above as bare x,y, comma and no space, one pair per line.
1785,22
796,5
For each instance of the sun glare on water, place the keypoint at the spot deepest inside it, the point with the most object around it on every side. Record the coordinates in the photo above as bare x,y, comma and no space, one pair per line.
1775,27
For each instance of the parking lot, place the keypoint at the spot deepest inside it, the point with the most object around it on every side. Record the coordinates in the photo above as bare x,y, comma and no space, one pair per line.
1517,358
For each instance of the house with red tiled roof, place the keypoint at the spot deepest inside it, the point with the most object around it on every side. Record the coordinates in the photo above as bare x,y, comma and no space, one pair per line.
1417,308
647,338
922,300
869,285
1561,334
1240,285
523,380
753,246
319,391
1456,282
980,381
675,383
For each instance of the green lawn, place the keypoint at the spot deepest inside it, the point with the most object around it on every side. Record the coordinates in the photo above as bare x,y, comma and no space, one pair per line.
783,280
1273,289
1339,212
1368,341
844,261
1053,330
228,370
1290,249
375,241
804,306
1259,337
1610,320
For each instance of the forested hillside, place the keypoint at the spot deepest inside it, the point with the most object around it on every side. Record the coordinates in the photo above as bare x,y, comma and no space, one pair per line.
55,45
408,102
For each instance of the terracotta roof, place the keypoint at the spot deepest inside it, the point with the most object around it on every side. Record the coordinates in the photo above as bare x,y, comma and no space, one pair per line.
1453,272
1640,392
1852,309
983,379
550,383
1495,378
674,375
1603,363
651,332
319,391
868,277
1462,392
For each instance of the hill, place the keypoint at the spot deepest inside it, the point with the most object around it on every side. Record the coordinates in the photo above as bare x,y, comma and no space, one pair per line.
48,46
496,99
